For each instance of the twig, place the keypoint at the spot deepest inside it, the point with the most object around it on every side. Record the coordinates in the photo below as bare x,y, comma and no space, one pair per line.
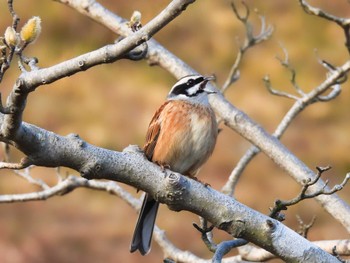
333,77
25,174
335,87
226,246
15,18
221,249
283,205
285,62
176,254
71,183
304,228
344,23
250,41
273,91
206,234
25,162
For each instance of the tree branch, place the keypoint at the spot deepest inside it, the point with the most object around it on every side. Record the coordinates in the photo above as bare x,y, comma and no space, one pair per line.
224,247
250,41
304,228
254,254
344,23
131,167
28,81
300,104
307,184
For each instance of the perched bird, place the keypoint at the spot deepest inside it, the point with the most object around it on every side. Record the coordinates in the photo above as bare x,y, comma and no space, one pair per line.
181,136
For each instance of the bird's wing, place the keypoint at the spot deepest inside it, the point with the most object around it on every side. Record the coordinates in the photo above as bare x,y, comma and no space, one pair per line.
153,132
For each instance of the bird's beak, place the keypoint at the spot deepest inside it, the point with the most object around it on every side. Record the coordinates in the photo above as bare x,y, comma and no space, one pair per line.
208,90
209,78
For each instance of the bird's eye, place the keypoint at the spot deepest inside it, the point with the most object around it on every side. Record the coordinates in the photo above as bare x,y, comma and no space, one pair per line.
190,82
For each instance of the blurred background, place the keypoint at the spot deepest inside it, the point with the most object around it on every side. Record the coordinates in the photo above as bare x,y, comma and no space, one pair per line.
111,105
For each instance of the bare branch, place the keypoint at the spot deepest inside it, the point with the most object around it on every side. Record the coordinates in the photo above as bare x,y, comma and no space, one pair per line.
344,23
283,205
286,63
254,254
25,174
206,234
304,228
25,162
335,91
273,91
249,42
5,165
67,185
320,13
15,18
334,76
224,247
221,249
335,88
178,255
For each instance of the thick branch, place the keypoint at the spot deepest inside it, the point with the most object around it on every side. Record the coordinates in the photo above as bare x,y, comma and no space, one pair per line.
132,168
254,254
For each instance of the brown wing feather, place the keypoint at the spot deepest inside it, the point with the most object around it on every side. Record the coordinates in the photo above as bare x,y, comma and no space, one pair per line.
153,133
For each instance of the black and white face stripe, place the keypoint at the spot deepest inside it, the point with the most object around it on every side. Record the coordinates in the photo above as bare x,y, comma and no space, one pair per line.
186,86
189,86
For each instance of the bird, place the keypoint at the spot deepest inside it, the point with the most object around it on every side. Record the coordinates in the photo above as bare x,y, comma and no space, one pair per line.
181,136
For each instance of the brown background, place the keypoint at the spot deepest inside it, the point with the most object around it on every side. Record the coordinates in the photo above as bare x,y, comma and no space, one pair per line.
110,106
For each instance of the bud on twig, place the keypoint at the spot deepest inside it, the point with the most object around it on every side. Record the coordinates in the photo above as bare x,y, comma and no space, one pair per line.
11,37
31,30
135,21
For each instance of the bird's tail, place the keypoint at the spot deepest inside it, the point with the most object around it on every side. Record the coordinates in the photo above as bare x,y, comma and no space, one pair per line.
142,237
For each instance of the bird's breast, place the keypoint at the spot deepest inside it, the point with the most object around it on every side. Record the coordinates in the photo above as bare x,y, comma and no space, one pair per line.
187,139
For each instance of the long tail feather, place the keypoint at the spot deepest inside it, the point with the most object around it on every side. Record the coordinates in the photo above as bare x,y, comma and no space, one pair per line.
142,237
